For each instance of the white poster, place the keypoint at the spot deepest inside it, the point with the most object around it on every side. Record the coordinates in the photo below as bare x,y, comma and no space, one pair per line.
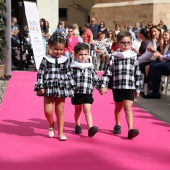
34,31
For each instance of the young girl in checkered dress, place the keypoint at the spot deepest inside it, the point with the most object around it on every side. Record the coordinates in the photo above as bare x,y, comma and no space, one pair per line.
54,82
127,81
86,78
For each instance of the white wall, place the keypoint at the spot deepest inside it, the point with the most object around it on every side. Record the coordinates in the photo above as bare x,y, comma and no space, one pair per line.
48,9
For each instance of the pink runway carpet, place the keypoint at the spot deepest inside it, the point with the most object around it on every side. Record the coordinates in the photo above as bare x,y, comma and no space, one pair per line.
25,145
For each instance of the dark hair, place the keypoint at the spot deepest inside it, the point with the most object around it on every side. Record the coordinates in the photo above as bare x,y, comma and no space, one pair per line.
102,24
156,27
57,38
44,24
71,27
80,46
122,34
87,25
108,32
117,25
59,23
144,32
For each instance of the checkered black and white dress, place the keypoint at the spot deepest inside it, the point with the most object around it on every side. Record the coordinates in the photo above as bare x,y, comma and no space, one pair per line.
54,76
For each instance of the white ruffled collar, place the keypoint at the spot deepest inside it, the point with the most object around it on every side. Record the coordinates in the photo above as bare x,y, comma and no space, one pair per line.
52,60
76,64
124,55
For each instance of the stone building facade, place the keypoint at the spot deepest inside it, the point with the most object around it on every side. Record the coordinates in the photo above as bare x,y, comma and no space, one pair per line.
128,12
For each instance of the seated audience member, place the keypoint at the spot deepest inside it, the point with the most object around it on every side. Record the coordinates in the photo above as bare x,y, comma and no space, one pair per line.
60,27
76,32
129,29
143,35
44,32
156,70
164,26
72,41
125,27
87,34
102,28
161,27
142,25
109,40
76,29
114,47
117,29
136,45
150,25
136,29
94,28
101,52
166,44
156,55
66,26
155,44
15,30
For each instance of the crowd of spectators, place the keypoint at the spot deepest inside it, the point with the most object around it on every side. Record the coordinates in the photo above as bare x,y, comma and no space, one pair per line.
148,39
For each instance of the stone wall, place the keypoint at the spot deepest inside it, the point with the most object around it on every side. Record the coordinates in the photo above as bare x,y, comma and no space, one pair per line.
129,12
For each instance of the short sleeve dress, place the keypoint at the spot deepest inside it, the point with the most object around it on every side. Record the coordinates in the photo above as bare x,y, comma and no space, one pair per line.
55,77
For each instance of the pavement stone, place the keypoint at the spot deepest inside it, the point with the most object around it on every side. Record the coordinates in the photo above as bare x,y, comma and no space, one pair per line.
3,86
160,108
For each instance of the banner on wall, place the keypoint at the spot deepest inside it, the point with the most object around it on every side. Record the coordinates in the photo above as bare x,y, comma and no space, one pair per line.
32,17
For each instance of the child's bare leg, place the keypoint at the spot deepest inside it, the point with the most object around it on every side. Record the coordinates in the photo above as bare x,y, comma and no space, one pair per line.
78,109
48,110
88,115
106,61
132,133
59,109
128,111
147,70
87,111
101,61
118,113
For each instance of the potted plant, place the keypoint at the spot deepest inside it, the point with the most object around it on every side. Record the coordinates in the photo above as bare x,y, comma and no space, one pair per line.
3,43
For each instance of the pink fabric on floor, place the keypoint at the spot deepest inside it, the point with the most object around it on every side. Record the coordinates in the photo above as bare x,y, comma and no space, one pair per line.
25,145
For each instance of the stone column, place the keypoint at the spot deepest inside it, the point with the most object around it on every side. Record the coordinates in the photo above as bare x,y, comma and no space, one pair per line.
7,60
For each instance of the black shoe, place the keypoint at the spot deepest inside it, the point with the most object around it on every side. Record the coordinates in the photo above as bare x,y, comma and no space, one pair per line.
141,93
117,129
152,95
92,131
133,133
78,129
